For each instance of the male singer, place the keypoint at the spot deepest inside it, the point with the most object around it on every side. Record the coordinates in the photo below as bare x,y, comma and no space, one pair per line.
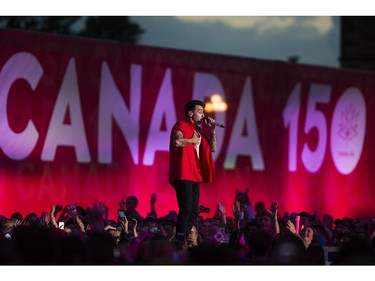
192,141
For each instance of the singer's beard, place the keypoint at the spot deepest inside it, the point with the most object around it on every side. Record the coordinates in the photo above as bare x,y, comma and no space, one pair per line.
198,121
201,121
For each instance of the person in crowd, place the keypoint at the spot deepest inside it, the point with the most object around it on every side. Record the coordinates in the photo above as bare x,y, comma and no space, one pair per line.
270,221
52,217
6,228
305,219
220,214
369,225
194,238
239,221
314,251
16,216
359,228
356,251
327,224
259,244
288,249
251,226
152,206
245,204
259,208
192,141
32,218
100,248
204,230
321,231
237,241
129,206
117,230
171,216
321,236
213,228
151,225
230,226
156,250
342,232
168,228
224,229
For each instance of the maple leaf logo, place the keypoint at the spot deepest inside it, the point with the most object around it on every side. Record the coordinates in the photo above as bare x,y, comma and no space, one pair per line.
348,128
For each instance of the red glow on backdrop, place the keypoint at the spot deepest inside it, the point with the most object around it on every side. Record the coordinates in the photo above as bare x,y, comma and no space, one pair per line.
84,121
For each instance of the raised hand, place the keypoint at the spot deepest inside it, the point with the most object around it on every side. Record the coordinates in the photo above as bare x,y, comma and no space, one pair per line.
236,208
274,207
290,225
125,225
153,198
221,208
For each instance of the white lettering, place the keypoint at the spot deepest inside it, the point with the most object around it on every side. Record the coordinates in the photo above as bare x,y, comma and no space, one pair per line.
67,134
18,146
245,145
290,117
313,159
112,105
158,140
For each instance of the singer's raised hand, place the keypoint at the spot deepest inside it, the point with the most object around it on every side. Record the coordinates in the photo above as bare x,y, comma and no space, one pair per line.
209,121
212,123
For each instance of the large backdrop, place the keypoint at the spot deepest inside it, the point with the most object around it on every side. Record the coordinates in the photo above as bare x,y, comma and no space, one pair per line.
84,121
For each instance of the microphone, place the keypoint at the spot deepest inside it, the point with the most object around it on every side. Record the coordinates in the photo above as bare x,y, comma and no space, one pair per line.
206,120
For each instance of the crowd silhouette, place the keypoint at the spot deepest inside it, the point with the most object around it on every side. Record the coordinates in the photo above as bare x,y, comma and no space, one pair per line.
246,235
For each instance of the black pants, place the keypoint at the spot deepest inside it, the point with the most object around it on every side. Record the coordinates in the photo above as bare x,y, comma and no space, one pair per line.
187,193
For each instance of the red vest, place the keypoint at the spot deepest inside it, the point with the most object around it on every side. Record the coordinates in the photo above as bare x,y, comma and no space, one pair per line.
184,163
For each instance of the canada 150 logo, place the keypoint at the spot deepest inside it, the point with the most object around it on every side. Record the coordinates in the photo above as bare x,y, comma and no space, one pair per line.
348,130
347,133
